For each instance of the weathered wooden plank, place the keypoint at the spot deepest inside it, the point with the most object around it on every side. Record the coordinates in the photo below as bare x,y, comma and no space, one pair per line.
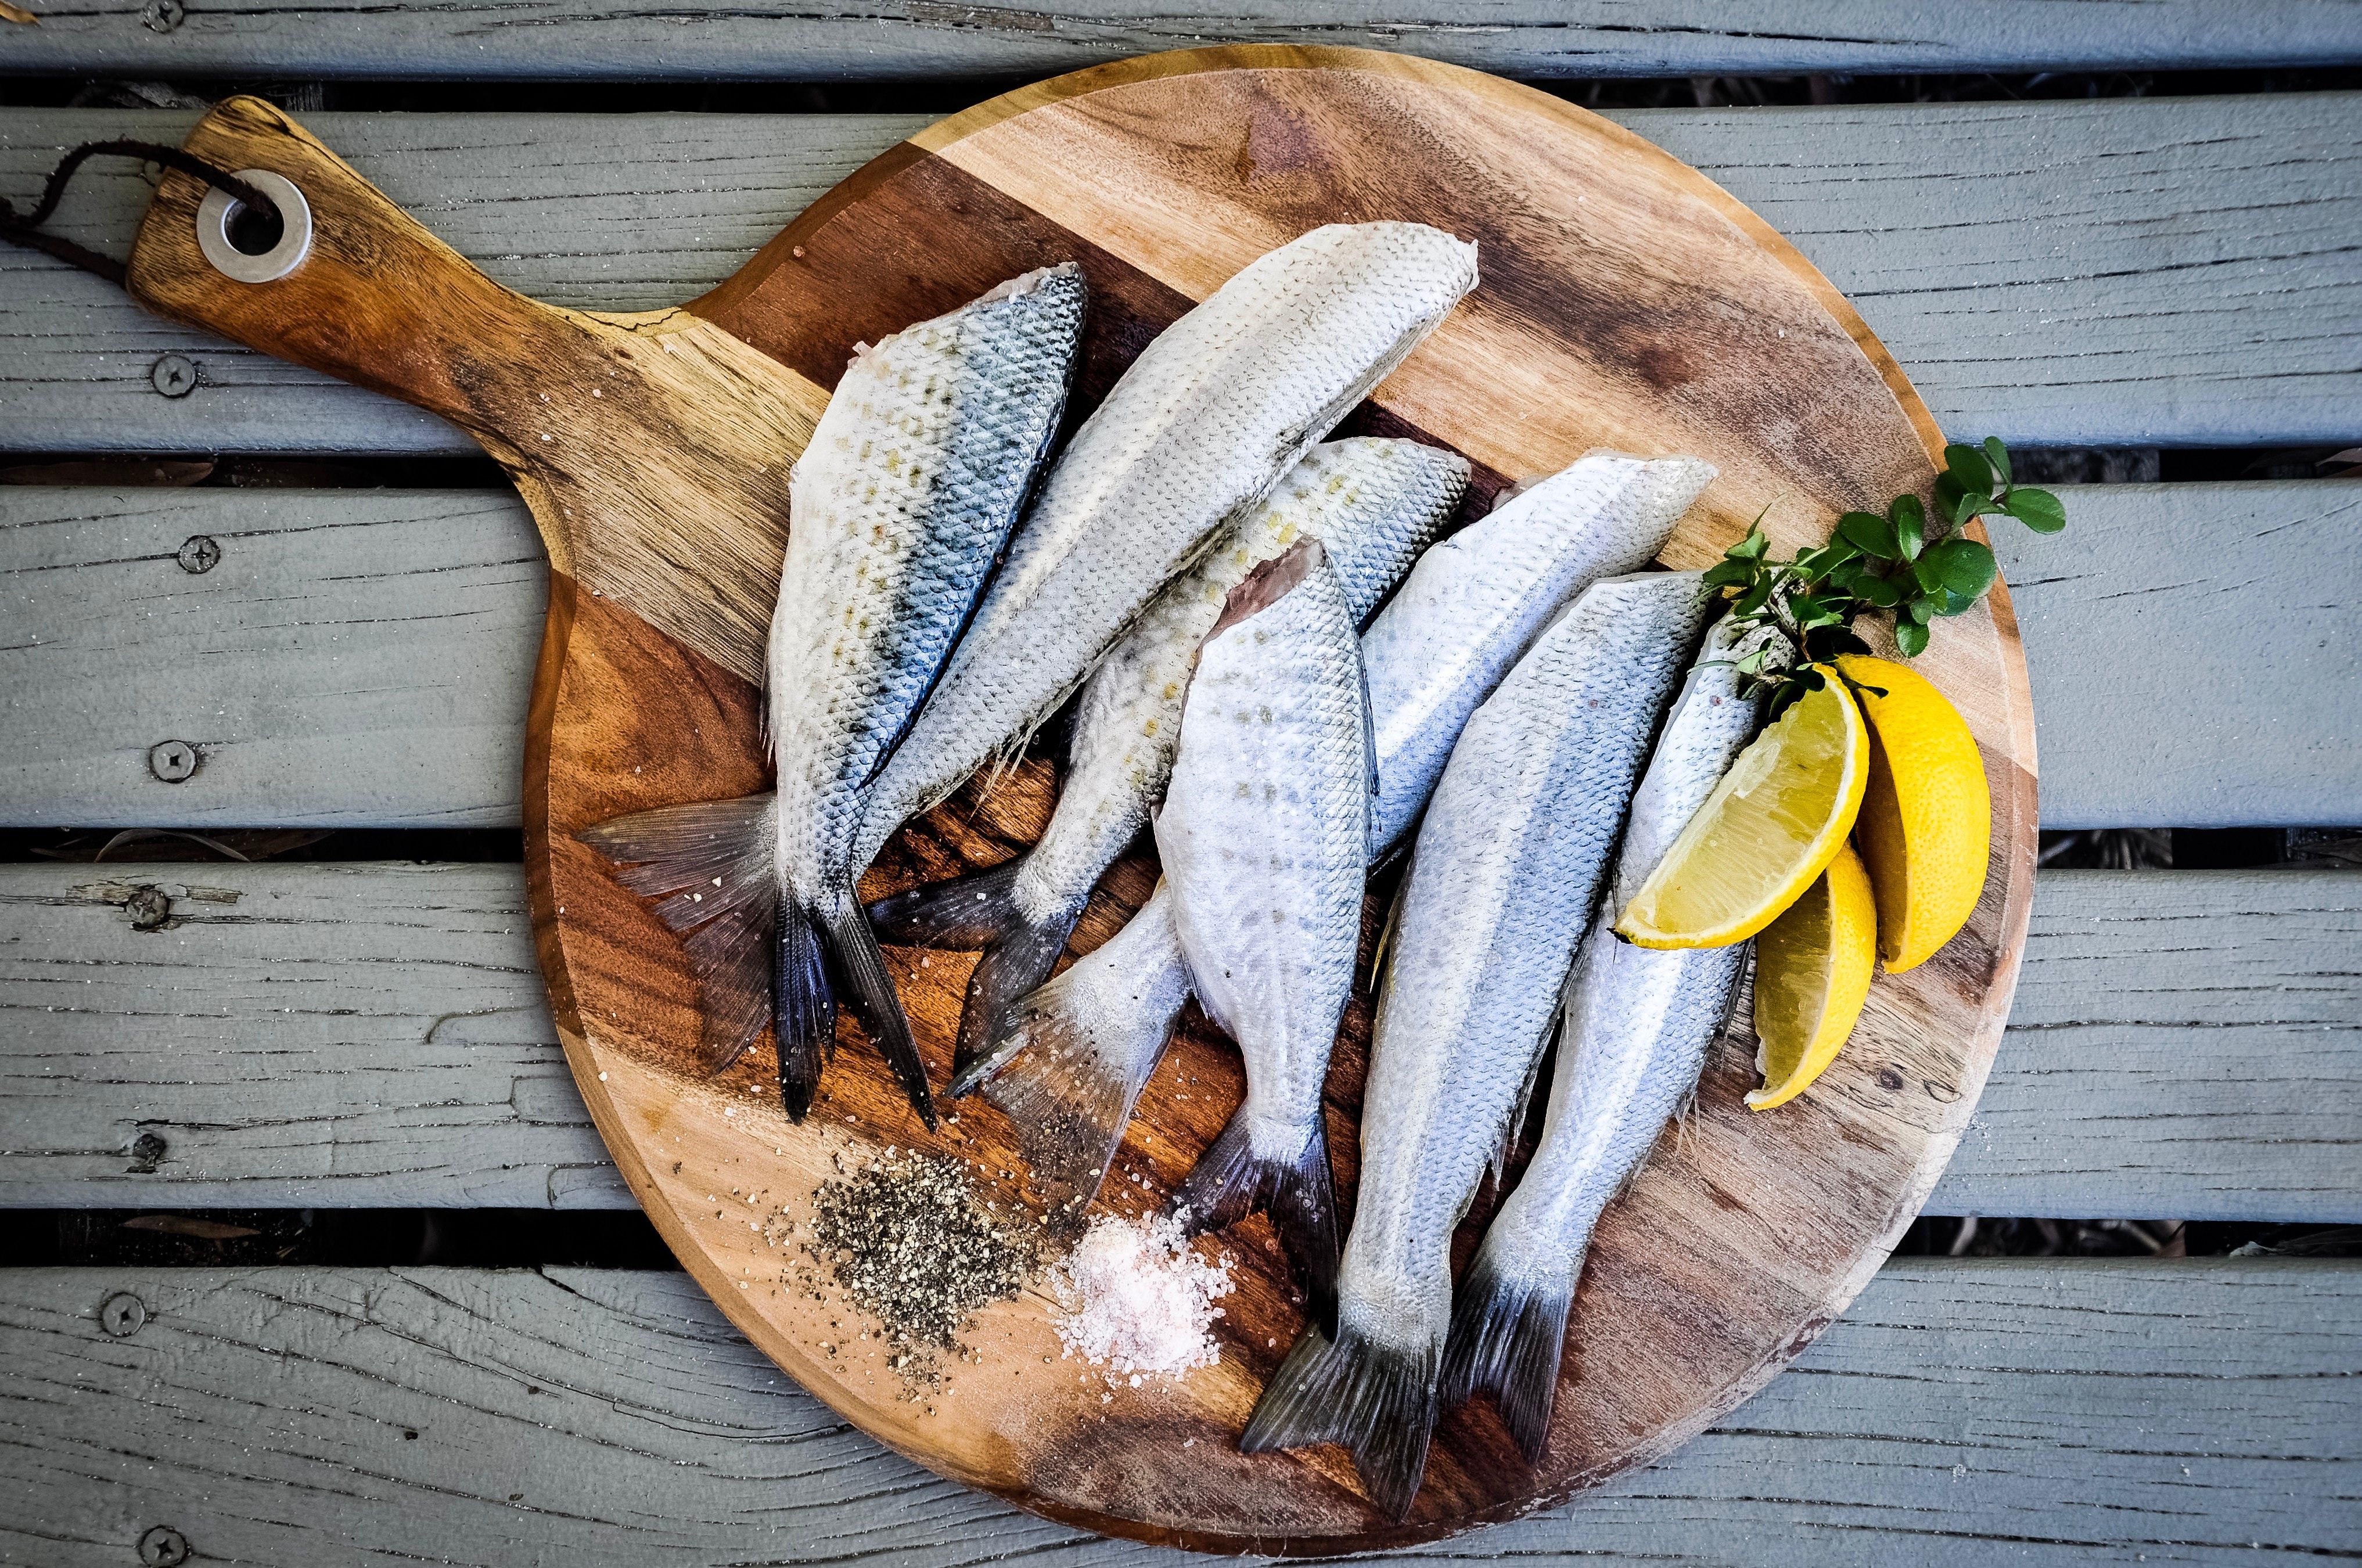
2143,271
2190,654
2185,1045
354,656
2054,1413
611,39
362,657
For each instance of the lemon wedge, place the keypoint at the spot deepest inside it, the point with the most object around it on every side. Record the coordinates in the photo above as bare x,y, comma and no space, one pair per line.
1812,975
1927,816
1766,833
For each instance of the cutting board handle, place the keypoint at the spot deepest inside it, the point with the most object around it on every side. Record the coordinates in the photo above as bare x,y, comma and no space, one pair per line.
377,300
653,448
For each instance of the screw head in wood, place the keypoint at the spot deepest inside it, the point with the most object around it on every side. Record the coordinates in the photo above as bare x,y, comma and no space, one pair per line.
1890,1078
147,1152
163,1547
161,16
149,908
173,761
198,554
122,1315
174,375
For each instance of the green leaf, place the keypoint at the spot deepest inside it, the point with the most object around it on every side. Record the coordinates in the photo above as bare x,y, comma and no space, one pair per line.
1871,534
1729,574
1971,506
1811,679
1754,598
1998,455
1926,574
1910,520
1967,465
1880,592
1947,494
2037,509
1963,566
1911,637
1950,603
1751,548
1922,611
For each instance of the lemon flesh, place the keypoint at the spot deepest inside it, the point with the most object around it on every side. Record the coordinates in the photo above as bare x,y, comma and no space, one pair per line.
1925,829
1767,832
1812,975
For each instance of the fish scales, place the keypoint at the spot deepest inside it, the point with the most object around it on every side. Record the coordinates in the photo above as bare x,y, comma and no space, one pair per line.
1197,429
1265,837
1373,504
1072,1057
1507,866
918,469
1635,1026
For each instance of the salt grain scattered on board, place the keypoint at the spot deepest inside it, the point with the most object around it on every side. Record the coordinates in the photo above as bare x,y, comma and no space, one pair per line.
1138,1301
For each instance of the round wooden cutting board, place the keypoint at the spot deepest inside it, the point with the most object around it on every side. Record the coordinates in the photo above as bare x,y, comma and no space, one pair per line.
1626,302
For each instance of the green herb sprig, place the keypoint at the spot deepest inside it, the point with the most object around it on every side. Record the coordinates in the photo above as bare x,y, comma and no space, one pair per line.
1913,566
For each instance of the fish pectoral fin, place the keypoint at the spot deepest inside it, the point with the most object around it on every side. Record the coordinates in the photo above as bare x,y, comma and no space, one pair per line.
1377,1399
1506,1339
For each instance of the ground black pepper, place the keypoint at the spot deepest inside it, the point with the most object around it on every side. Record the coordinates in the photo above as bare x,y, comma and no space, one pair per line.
911,1241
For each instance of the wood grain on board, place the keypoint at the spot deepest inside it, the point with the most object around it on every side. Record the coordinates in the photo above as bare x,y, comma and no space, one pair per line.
2057,272
1626,302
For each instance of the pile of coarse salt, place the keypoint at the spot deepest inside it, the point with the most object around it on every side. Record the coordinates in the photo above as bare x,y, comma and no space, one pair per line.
1139,1301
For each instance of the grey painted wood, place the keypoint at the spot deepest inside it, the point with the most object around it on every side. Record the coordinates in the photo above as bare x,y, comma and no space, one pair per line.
2192,654
1963,1412
2185,1045
363,656
355,656
615,39
2127,271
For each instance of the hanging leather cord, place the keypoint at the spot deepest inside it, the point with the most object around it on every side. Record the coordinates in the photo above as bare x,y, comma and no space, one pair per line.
21,229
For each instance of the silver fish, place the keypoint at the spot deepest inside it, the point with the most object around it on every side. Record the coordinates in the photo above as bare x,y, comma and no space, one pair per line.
899,508
1073,1056
1634,1026
1265,837
1503,879
1373,505
1198,430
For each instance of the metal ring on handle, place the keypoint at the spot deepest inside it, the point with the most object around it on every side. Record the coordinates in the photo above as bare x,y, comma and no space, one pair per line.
294,235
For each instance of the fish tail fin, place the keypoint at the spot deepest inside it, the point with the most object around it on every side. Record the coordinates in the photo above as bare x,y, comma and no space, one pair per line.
858,967
1506,1339
1231,1180
1067,1065
962,913
1011,969
803,1007
710,868
1377,1399
981,910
